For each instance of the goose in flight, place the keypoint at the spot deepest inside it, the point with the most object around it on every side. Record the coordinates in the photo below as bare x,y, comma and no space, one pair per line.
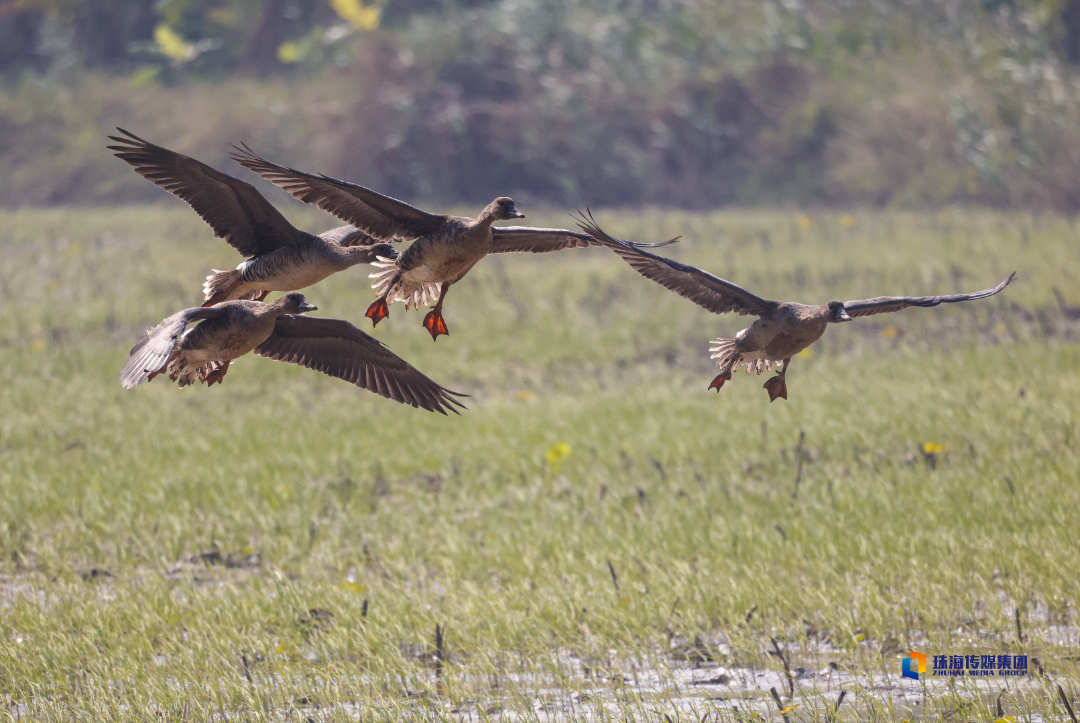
276,331
280,256
444,248
782,329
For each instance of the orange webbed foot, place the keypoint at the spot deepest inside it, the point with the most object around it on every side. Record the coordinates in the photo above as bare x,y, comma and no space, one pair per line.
777,388
378,311
720,379
435,325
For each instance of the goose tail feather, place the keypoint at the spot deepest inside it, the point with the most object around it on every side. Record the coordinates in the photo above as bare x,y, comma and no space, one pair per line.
222,285
387,278
723,351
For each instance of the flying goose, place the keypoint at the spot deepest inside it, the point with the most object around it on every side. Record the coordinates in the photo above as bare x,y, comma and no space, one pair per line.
445,247
782,329
231,329
282,257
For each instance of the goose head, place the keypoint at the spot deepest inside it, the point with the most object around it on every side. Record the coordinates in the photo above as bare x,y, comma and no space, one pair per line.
502,209
837,312
295,303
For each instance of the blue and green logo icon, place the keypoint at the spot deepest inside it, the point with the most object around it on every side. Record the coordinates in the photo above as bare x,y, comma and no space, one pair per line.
913,665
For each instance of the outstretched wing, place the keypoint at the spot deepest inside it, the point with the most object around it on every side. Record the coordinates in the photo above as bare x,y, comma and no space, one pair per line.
508,239
380,216
234,209
154,350
338,348
707,291
350,236
886,304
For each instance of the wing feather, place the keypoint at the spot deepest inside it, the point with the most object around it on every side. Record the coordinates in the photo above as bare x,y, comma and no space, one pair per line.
232,208
510,239
888,304
153,350
338,348
707,291
382,217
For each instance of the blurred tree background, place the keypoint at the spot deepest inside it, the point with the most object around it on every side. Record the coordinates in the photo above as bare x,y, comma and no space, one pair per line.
687,103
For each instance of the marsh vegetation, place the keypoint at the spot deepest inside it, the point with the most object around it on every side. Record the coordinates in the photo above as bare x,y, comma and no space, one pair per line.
593,534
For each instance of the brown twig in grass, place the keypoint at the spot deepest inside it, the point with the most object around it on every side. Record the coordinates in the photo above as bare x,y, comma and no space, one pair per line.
1019,631
787,669
440,650
1068,706
247,669
750,614
779,705
1012,489
614,577
836,708
799,463
1000,710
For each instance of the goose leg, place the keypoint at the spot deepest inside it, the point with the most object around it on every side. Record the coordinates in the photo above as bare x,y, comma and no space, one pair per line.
379,309
217,375
433,322
722,376
776,386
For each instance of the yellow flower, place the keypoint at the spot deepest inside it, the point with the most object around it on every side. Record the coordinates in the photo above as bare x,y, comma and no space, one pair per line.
1001,329
847,220
806,353
360,16
790,708
933,448
144,78
805,222
172,45
524,395
890,332
354,587
289,52
556,454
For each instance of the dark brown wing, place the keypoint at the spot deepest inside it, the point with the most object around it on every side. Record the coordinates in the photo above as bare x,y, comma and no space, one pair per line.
707,291
154,349
234,209
508,239
886,304
338,348
380,216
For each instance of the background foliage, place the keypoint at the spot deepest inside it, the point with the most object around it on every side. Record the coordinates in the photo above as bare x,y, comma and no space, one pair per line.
674,102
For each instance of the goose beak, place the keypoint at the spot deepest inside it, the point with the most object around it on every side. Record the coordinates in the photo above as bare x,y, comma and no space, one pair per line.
842,315
514,213
306,307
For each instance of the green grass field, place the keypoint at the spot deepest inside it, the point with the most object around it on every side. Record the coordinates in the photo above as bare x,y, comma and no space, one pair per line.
282,547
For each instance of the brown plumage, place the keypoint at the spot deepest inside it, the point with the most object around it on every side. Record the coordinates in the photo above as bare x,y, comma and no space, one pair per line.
782,329
444,248
276,331
282,257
